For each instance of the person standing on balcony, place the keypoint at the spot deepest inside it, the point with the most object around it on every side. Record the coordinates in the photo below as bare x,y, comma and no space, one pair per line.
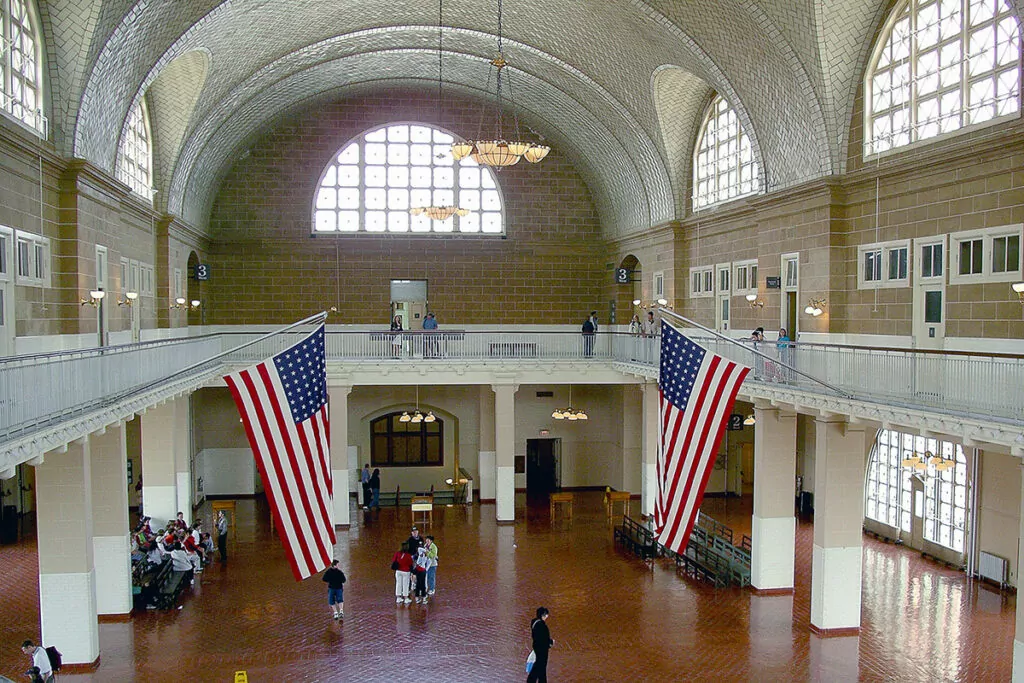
396,336
430,342
634,325
589,332
785,349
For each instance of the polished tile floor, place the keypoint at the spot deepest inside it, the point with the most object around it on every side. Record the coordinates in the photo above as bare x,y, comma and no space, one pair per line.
612,617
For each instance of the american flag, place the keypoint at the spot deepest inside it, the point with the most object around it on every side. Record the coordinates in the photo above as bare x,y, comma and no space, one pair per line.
698,389
283,404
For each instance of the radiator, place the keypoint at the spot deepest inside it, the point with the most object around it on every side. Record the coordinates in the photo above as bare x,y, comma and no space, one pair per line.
993,568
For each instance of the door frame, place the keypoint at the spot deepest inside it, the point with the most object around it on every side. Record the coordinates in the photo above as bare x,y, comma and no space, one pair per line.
922,285
788,290
7,292
723,296
556,455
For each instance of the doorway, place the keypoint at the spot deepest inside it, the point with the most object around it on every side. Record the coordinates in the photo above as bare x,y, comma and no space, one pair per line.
790,294
543,466
409,300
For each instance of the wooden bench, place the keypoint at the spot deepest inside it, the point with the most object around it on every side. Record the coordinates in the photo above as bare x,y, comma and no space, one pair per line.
561,499
637,538
170,589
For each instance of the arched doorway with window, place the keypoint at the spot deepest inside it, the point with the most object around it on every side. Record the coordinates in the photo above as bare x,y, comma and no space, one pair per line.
194,288
629,289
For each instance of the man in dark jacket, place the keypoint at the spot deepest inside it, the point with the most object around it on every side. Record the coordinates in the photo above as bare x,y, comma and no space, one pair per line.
335,579
541,644
589,332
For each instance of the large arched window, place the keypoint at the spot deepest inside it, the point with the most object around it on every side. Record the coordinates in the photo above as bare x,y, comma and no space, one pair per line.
941,65
373,182
22,65
723,165
135,155
890,498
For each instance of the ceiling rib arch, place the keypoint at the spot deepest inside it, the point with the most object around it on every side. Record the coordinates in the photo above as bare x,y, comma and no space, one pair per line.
679,98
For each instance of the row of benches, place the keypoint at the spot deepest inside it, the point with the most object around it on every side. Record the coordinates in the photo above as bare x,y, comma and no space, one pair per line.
708,556
156,586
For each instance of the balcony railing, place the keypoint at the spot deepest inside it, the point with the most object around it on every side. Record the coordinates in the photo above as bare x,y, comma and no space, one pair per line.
43,389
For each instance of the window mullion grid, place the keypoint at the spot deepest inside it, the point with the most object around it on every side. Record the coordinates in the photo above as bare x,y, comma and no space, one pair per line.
362,197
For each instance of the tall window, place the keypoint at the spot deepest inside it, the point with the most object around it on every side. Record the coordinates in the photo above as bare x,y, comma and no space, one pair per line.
890,492
135,156
394,443
942,65
21,65
373,182
724,166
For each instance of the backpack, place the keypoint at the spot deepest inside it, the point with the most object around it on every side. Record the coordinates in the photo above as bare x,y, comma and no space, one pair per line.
54,655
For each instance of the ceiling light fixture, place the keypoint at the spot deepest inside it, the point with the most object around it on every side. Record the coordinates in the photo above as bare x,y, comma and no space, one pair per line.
750,420
569,413
499,151
417,416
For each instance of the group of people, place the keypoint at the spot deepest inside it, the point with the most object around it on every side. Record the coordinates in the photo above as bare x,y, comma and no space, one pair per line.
415,567
185,545
371,487
647,327
774,372
431,343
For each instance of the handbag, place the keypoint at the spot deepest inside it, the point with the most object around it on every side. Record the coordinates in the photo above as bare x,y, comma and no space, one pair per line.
530,661
394,565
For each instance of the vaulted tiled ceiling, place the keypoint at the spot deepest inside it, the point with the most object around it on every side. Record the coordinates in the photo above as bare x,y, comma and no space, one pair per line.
585,72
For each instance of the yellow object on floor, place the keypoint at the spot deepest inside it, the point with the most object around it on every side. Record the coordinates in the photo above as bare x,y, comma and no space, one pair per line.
241,677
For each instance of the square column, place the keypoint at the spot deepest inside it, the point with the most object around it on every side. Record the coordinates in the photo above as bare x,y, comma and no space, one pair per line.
67,580
773,527
504,446
649,445
159,492
485,465
111,548
840,450
1018,634
183,455
338,397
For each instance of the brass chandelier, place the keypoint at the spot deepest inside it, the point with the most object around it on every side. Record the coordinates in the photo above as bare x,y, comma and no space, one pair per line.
439,212
570,413
499,151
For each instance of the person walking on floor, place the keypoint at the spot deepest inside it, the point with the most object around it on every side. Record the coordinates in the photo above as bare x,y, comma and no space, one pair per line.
222,536
402,563
541,644
39,659
365,479
375,489
432,567
335,579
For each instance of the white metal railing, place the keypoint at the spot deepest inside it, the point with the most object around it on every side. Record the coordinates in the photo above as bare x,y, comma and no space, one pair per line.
38,390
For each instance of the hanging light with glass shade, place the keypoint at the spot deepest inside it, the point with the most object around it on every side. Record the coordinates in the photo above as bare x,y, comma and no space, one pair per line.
569,413
417,416
440,212
499,151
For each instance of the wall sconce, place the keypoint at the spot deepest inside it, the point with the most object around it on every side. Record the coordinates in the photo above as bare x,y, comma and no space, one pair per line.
645,305
1018,287
95,298
195,305
129,299
179,303
754,301
750,420
815,307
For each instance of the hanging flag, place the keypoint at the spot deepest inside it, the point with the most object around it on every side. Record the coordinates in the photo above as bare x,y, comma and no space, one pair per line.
283,404
698,389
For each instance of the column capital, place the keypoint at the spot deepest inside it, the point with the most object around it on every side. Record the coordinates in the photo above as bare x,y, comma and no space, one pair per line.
505,385
344,389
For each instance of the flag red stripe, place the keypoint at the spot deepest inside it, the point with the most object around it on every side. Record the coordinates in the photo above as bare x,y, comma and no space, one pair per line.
262,459
303,496
321,524
321,432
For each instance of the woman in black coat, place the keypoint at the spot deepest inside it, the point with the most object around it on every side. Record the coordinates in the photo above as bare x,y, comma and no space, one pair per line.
541,644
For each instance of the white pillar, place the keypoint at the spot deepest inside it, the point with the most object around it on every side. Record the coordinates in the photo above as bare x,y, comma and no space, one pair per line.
111,547
67,581
649,444
486,465
183,456
338,396
1018,635
504,446
773,527
836,562
159,493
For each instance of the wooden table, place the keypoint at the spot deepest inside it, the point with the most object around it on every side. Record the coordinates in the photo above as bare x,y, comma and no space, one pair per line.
613,497
423,505
564,499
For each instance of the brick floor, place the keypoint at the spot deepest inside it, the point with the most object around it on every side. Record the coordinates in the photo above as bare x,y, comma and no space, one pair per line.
613,618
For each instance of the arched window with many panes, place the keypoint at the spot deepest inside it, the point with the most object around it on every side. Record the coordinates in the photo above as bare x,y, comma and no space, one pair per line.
724,167
939,67
135,154
376,180
890,495
22,65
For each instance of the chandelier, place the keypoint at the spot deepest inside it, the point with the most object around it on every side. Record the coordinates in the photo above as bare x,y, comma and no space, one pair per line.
499,151
417,416
921,462
569,413
439,212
